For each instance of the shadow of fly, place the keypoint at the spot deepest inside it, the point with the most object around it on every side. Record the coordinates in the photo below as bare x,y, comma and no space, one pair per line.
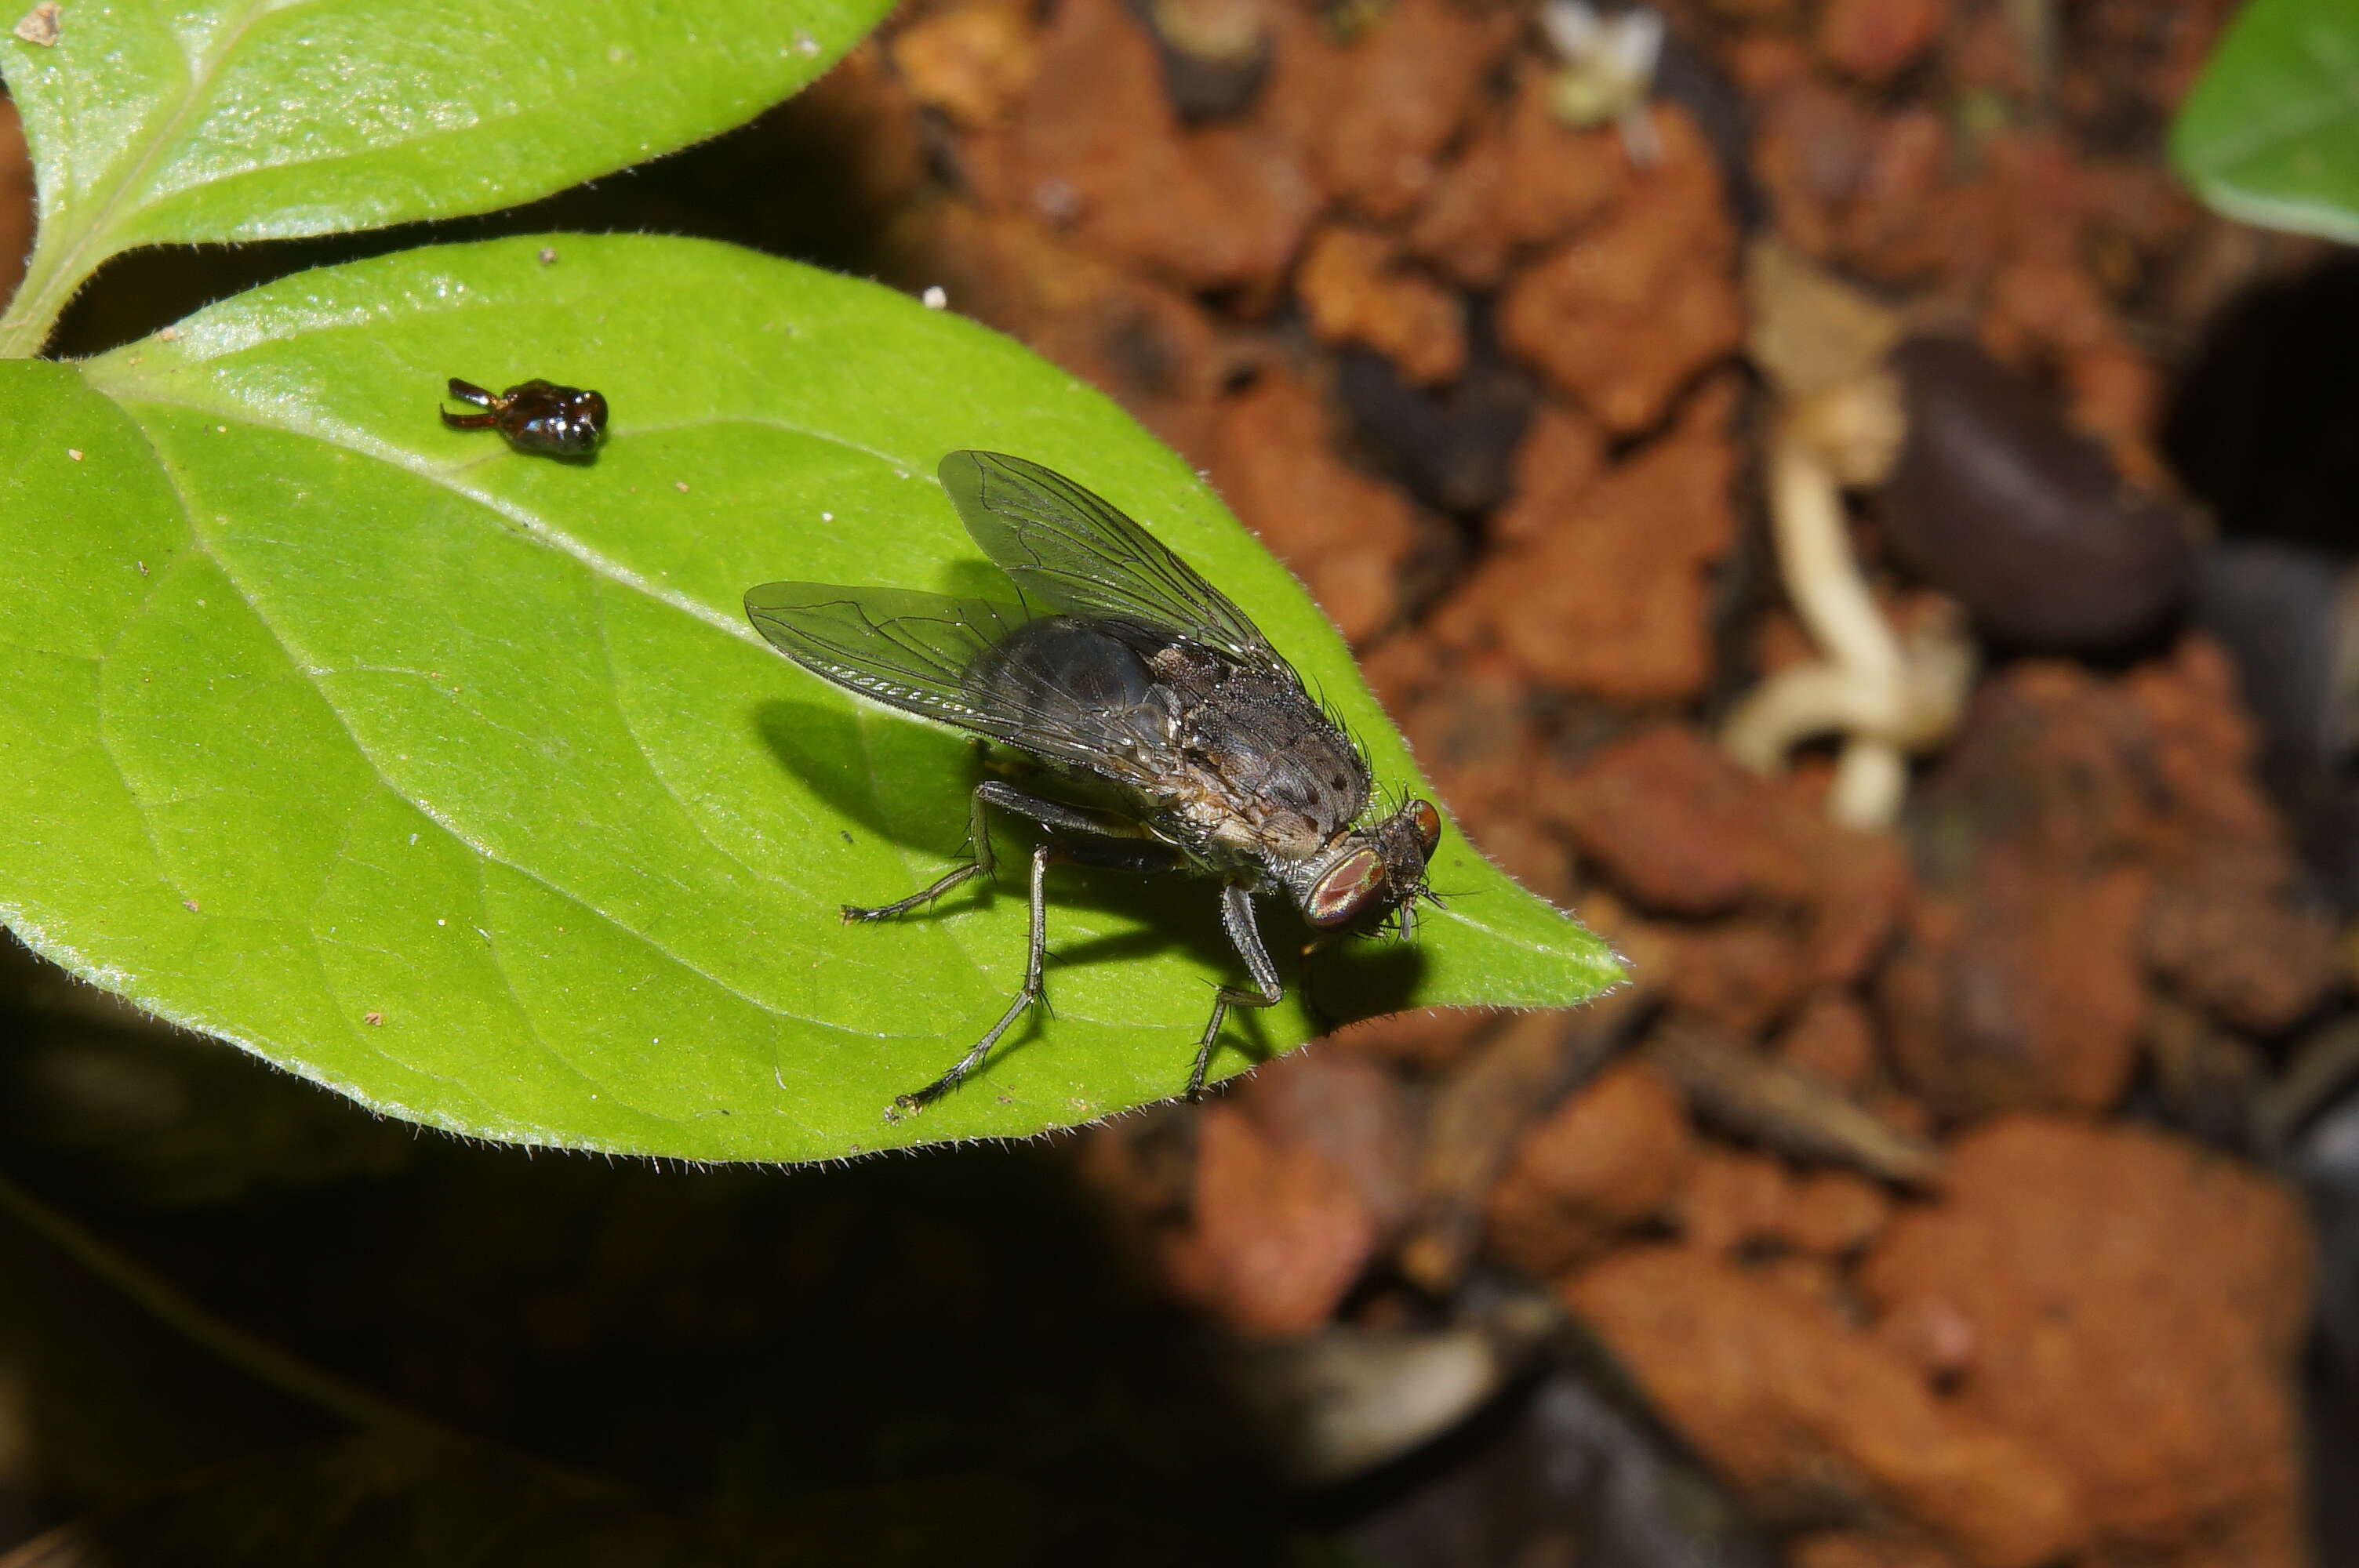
1138,683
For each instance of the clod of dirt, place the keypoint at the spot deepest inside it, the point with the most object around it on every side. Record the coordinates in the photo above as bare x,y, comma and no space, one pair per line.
2230,928
2018,982
1832,1038
1343,1104
1097,148
1686,831
2135,1306
1816,1422
2027,523
1875,40
2081,834
1150,348
1610,595
1562,453
1864,1549
1525,181
1634,307
1349,535
1376,113
1602,1162
1280,1232
1355,291
1742,974
1454,445
971,62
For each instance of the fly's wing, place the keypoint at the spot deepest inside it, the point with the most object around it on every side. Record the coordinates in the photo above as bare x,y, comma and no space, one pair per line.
916,652
1069,551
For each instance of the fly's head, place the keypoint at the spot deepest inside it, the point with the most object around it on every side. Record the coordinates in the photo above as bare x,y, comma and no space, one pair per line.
1371,873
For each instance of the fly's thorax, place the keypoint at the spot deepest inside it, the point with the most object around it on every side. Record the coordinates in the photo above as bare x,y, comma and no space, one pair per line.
1275,761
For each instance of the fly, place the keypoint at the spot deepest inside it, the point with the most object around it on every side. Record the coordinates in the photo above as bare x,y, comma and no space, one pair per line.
1114,662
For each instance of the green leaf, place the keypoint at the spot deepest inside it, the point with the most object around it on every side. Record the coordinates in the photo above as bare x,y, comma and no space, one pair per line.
225,120
2271,132
319,710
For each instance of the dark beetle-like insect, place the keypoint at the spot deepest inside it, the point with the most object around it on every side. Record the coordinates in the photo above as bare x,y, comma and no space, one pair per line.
1116,662
534,415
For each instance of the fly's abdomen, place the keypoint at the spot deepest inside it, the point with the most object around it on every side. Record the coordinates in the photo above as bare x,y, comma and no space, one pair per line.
1079,676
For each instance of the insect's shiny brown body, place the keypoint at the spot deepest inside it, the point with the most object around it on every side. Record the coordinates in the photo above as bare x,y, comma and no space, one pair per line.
1119,666
534,415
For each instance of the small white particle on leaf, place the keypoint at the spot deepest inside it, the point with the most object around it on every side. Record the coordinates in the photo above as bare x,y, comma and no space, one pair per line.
74,452
39,25
936,297
168,334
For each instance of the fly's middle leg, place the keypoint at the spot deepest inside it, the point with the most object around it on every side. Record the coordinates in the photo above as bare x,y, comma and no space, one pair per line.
1245,934
1090,844
988,793
1036,955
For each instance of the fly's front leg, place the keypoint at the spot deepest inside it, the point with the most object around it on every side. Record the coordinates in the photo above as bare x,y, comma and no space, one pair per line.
1036,956
1245,934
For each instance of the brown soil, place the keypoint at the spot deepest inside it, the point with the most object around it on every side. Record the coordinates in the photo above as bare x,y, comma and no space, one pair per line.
2075,1345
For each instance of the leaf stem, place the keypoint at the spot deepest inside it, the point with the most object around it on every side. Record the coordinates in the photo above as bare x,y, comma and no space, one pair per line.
49,284
173,1308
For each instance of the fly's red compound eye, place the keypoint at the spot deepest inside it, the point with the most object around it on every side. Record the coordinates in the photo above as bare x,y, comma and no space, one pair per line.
1428,825
1347,891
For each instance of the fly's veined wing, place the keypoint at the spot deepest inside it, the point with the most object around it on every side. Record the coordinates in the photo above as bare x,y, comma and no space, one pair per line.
916,652
1069,551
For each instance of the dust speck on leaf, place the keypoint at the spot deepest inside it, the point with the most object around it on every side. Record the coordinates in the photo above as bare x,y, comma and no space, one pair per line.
39,25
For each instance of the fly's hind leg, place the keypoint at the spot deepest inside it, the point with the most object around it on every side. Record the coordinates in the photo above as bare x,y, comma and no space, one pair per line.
1245,934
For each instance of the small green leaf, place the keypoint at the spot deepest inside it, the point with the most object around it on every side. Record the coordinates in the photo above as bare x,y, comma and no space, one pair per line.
2271,132
322,711
223,120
